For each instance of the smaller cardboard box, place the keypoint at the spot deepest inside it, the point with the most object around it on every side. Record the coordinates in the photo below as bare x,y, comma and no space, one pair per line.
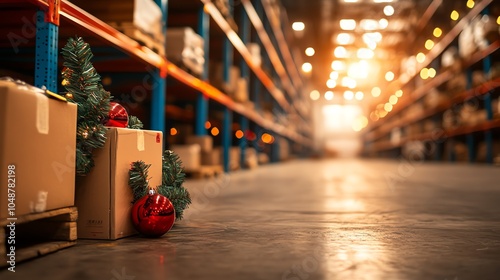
206,142
103,197
37,146
190,156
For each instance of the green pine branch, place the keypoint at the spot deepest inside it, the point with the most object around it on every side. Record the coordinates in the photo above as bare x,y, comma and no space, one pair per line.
138,179
135,123
179,197
84,88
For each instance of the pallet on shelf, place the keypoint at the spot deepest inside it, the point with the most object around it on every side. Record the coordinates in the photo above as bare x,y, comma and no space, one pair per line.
205,171
142,37
38,234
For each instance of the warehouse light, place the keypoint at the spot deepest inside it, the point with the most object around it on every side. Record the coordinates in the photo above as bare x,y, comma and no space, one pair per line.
470,4
382,113
393,99
239,134
429,44
365,53
369,24
358,70
331,83
307,67
267,138
173,131
347,24
348,82
310,51
338,65
424,73
420,57
214,131
329,95
389,76
334,75
207,125
432,72
398,93
376,92
454,15
345,39
359,95
348,95
437,32
388,107
372,37
498,20
298,26
314,95
388,10
383,23
340,52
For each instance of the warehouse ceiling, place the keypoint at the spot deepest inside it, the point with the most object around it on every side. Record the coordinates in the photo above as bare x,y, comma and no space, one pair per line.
392,36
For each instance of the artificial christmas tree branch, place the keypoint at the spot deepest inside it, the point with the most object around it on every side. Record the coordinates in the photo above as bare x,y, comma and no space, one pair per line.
138,179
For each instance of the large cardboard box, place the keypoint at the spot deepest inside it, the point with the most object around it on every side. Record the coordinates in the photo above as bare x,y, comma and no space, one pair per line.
38,138
103,197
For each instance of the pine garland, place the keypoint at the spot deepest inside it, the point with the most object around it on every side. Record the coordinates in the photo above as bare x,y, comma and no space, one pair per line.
135,123
172,179
84,88
139,179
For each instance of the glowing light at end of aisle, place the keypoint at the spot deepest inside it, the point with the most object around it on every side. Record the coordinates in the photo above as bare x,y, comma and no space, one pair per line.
307,67
388,10
359,95
365,53
340,52
310,51
388,107
338,65
239,134
432,72
331,83
348,95
454,15
347,24
383,23
298,26
173,131
389,76
393,99
420,57
314,95
398,93
345,39
214,131
470,4
334,75
429,44
424,73
329,95
208,125
267,138
437,32
376,92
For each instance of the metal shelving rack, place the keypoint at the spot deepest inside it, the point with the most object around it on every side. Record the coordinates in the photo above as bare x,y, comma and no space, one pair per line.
375,134
46,72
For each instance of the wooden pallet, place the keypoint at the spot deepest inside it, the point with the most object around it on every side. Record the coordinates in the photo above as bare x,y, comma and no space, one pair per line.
39,234
205,171
143,38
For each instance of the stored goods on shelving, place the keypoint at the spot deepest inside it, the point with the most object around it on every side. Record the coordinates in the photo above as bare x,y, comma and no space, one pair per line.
206,142
37,149
190,156
186,49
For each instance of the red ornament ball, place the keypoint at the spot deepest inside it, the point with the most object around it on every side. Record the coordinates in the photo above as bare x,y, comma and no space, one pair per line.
117,116
153,215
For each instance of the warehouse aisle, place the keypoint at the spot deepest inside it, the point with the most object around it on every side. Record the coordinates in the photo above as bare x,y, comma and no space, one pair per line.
336,219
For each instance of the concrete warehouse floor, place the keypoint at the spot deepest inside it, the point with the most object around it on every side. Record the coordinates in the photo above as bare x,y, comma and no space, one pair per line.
335,219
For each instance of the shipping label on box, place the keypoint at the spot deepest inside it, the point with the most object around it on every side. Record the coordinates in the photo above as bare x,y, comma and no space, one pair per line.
37,146
103,197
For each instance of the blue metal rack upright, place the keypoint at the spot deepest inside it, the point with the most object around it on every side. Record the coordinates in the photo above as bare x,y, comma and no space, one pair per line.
201,100
47,37
245,74
227,62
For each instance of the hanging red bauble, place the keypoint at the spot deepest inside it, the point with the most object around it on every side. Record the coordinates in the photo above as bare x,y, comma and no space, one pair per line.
117,116
153,215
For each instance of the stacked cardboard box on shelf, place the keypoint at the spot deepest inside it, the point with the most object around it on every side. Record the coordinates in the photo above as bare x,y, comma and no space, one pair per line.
186,48
139,19
103,197
38,142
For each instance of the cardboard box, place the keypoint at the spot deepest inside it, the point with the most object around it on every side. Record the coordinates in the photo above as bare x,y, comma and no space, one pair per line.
190,156
206,142
213,157
38,137
103,197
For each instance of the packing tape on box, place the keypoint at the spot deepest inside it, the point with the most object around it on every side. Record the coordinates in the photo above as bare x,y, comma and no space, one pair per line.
42,114
140,140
